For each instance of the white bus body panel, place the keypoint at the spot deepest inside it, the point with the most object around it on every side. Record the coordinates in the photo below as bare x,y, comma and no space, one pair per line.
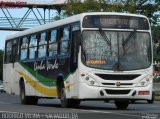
93,92
12,80
8,80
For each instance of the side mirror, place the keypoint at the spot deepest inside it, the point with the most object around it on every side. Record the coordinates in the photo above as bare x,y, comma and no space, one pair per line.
79,40
154,39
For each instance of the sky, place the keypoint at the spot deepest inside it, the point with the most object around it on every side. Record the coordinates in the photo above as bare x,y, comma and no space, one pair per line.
18,13
3,35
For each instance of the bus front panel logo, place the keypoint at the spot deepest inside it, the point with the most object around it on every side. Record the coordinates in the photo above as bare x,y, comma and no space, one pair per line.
118,84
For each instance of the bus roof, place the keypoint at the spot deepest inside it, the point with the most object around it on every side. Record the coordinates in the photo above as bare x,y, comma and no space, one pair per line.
61,22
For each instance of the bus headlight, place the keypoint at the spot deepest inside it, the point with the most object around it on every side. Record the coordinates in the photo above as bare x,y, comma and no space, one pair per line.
90,81
144,82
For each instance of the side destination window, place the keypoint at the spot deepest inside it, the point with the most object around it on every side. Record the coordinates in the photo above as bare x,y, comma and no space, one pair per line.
32,47
15,50
8,51
52,43
65,41
24,48
42,45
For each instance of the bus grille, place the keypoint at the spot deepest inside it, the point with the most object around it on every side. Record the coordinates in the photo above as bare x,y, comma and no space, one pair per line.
117,77
113,84
117,92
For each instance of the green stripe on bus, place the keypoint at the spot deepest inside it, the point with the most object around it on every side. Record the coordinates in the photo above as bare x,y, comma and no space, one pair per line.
40,78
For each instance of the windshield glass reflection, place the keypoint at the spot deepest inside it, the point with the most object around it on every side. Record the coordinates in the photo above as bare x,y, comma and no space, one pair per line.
115,50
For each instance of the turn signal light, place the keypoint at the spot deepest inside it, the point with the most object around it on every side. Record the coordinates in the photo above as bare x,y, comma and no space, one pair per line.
143,93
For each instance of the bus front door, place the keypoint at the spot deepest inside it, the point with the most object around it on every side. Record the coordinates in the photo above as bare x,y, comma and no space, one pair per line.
14,75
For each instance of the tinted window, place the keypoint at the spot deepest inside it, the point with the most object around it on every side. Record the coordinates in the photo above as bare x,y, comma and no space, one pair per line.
42,45
24,48
53,36
64,42
52,43
32,47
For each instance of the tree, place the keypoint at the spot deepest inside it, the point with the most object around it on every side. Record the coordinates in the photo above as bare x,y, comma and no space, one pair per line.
75,7
1,64
145,7
156,40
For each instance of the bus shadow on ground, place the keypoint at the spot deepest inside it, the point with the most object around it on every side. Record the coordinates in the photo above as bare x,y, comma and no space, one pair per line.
88,106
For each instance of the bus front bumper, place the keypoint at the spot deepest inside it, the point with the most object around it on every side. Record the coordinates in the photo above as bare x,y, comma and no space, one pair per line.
93,92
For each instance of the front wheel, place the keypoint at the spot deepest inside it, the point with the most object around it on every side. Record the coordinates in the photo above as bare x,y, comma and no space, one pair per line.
133,101
67,102
106,101
152,100
121,104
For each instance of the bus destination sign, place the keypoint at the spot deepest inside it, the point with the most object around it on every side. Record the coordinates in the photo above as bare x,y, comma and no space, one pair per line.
115,22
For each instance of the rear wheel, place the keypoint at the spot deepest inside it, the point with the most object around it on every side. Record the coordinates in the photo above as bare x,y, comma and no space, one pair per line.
121,104
30,100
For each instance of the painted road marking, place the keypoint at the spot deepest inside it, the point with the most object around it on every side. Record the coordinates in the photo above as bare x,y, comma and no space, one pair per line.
106,112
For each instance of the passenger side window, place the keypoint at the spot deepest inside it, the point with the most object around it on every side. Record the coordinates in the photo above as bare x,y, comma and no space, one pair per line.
52,43
24,48
42,45
65,41
15,50
32,47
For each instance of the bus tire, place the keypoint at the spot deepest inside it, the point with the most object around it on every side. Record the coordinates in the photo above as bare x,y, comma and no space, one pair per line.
106,101
33,100
133,101
26,100
121,104
152,100
75,102
67,103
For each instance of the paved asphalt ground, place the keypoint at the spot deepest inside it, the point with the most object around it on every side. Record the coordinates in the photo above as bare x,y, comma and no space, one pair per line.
10,108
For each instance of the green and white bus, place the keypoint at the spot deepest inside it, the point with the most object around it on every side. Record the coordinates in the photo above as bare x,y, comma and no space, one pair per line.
90,56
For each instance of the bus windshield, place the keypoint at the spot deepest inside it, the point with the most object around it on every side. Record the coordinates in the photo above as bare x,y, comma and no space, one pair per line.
116,50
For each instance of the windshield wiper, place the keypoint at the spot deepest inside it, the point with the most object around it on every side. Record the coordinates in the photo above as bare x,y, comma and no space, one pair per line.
84,55
104,37
129,37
